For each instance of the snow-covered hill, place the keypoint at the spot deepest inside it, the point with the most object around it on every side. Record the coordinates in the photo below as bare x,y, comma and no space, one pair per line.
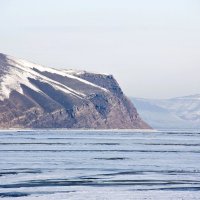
34,96
18,72
181,112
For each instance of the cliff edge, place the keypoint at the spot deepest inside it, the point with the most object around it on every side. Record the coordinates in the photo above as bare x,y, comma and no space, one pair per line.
34,96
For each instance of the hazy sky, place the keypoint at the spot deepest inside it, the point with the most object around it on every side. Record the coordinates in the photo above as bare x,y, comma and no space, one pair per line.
152,47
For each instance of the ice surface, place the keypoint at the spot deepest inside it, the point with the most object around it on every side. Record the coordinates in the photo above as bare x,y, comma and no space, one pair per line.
113,165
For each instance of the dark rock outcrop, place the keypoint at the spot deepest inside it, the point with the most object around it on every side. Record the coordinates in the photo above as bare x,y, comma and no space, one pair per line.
33,96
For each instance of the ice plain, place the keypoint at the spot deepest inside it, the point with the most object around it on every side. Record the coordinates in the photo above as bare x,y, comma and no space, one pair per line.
64,164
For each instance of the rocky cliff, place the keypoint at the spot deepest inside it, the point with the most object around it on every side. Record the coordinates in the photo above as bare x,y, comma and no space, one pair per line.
34,96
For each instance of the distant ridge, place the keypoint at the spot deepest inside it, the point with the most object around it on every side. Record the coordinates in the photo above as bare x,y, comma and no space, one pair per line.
34,96
179,112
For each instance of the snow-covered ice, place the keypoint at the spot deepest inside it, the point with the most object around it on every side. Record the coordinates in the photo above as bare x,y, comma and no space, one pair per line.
64,164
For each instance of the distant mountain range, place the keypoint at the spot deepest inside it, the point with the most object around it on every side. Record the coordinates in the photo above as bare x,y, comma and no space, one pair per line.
34,96
181,112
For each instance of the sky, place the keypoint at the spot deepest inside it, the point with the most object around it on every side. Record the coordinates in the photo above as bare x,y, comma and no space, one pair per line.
152,47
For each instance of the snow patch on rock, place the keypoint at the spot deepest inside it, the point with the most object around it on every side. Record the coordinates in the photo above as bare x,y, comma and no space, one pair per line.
19,72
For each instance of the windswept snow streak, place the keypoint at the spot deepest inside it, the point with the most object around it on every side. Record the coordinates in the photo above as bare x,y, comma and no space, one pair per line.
20,71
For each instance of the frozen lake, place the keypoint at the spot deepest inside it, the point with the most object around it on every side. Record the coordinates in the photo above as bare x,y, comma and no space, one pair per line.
99,165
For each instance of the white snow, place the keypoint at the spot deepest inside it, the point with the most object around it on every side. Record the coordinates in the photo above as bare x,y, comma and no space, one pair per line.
12,81
56,71
20,70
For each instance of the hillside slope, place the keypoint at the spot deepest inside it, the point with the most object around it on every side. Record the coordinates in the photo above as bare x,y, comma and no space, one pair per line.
34,96
181,112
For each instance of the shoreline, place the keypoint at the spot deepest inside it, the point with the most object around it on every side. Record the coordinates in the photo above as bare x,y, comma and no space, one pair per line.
83,130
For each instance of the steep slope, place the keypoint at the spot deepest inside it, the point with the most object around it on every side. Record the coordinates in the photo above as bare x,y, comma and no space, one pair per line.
181,112
34,96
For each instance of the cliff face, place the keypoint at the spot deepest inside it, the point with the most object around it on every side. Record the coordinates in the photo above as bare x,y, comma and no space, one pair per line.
33,96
